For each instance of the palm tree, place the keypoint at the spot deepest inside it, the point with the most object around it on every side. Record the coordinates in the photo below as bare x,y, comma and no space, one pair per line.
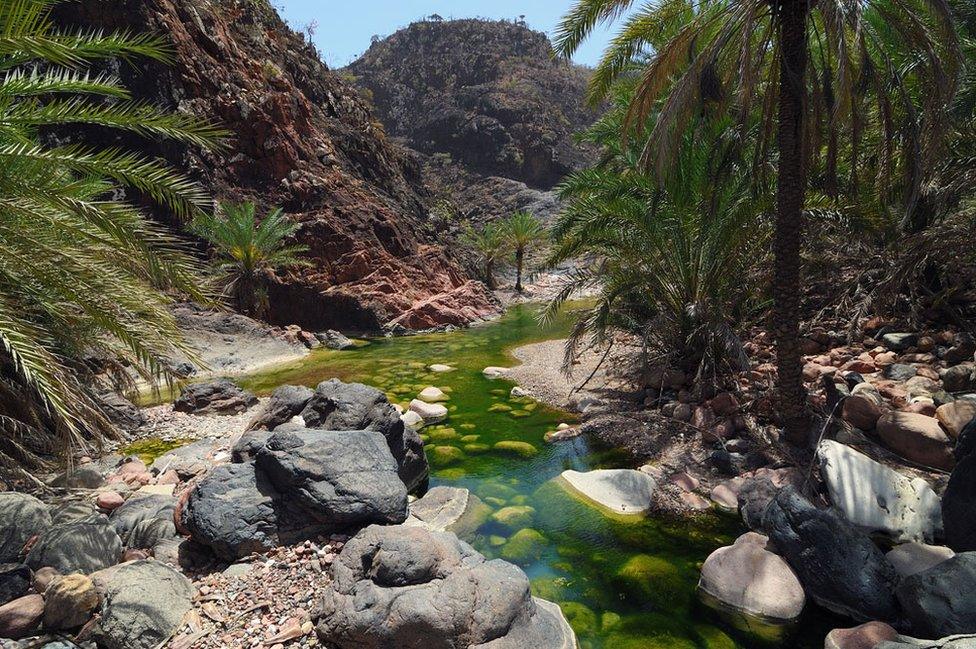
491,247
755,58
82,275
522,230
250,251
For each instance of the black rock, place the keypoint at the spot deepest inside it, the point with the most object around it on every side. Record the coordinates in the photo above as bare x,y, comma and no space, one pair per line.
354,406
963,348
966,443
899,372
941,601
15,581
959,378
83,546
959,504
852,379
142,508
838,565
21,518
80,478
286,402
122,412
220,396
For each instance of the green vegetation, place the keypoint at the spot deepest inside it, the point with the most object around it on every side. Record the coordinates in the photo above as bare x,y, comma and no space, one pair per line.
249,250
490,247
840,107
522,231
82,274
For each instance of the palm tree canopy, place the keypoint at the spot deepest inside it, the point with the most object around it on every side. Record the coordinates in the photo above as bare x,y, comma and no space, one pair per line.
81,274
522,229
246,243
488,242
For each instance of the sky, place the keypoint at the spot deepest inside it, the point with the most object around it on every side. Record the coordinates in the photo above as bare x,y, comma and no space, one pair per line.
344,27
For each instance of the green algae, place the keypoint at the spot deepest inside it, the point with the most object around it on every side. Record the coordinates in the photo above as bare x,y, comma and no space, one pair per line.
149,449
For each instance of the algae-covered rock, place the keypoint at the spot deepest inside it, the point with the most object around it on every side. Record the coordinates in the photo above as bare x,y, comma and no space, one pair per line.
514,517
476,449
525,546
580,617
655,580
520,449
440,456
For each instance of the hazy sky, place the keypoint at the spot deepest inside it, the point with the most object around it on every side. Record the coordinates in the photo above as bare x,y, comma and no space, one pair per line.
346,26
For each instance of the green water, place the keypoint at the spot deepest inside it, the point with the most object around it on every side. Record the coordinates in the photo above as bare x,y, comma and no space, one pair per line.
623,583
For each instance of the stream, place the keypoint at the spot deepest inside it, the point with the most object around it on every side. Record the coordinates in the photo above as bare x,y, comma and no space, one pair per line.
623,582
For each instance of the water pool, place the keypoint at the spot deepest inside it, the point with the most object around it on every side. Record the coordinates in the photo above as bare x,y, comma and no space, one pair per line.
622,583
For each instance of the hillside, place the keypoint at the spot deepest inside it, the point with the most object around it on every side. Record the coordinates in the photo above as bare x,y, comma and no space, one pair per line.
488,93
305,140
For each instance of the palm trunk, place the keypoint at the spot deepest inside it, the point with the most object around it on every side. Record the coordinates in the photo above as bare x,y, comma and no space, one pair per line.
490,274
790,192
519,257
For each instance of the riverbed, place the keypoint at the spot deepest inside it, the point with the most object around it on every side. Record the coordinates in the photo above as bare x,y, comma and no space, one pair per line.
623,582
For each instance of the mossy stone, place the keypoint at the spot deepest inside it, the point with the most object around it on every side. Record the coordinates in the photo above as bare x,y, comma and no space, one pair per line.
515,517
469,439
499,407
549,588
440,456
654,580
496,541
442,434
520,449
580,617
476,449
524,547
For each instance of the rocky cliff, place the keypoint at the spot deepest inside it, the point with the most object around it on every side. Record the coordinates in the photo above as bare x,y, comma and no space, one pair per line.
302,138
488,93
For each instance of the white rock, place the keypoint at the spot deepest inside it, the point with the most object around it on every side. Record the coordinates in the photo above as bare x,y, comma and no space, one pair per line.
911,558
432,395
624,491
429,412
753,581
157,489
398,408
412,420
449,509
562,426
877,498
440,367
494,372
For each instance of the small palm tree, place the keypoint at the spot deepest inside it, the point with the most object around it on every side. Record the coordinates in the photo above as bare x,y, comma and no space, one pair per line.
250,251
491,247
82,275
522,230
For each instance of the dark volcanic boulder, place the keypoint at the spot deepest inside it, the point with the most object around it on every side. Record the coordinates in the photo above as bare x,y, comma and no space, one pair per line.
142,508
15,580
839,566
941,601
218,397
121,411
248,444
143,604
83,546
21,518
234,511
340,478
409,587
354,406
959,506
285,402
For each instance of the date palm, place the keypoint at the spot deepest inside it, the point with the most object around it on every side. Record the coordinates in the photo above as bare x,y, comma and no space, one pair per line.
792,71
250,250
83,275
491,247
522,230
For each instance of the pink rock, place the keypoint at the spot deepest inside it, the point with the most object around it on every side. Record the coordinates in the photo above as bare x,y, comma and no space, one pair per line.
866,636
21,616
133,466
169,477
724,404
954,416
885,359
726,495
916,438
694,501
109,500
860,366
720,430
685,481
133,554
702,418
860,412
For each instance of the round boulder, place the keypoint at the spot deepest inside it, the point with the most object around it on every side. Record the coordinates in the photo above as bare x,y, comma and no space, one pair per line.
69,602
21,518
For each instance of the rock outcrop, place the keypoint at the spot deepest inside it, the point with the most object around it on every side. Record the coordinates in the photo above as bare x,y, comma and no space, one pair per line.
409,587
305,140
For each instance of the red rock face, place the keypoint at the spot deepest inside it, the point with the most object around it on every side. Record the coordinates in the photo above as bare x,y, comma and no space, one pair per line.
304,140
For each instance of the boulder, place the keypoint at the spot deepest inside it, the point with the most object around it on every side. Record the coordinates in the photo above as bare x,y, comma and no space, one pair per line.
69,602
449,509
899,342
248,444
899,372
867,636
21,617
341,479
217,397
109,500
911,558
941,601
410,587
83,546
963,348
755,490
191,460
959,378
954,416
143,604
964,641
79,478
753,582
354,406
916,438
433,394
22,517
149,533
286,401
429,412
73,512
140,508
839,565
333,339
122,412
492,372
411,419
233,510
15,581
877,498
622,491
959,506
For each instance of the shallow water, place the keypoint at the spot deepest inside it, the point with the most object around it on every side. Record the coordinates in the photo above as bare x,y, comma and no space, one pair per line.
624,583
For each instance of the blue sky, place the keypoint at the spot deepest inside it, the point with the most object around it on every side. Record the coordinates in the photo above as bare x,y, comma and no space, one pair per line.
346,26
